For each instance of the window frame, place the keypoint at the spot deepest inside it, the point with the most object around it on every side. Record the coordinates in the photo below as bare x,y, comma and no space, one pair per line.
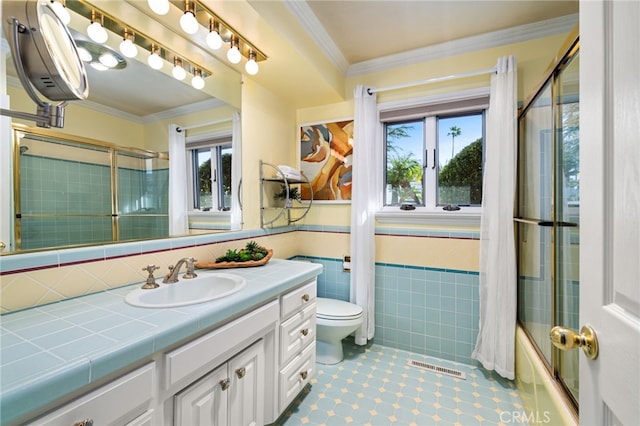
216,144
443,105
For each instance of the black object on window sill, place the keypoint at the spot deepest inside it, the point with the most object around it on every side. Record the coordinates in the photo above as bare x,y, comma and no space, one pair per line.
451,207
407,206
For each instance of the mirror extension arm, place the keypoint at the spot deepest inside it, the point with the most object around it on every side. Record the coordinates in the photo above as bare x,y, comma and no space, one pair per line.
47,115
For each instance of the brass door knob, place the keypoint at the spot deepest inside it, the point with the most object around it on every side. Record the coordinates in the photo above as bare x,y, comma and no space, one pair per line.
566,339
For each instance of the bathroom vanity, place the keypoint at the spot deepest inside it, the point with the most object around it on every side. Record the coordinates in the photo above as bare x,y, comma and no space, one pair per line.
241,359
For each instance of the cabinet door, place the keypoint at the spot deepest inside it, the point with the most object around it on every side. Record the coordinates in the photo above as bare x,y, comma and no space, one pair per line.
115,403
205,401
246,394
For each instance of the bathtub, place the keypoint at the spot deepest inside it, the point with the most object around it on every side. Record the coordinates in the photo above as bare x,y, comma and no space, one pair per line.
543,399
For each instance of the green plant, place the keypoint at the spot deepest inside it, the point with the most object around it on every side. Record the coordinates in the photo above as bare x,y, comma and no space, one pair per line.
294,193
252,251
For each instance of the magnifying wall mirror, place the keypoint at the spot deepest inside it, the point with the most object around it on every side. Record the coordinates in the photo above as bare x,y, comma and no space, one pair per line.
45,57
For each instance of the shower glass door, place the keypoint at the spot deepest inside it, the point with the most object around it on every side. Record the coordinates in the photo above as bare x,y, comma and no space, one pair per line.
71,191
548,217
143,196
62,194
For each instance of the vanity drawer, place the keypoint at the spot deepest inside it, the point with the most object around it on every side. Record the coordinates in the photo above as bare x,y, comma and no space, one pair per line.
295,376
298,299
297,332
214,348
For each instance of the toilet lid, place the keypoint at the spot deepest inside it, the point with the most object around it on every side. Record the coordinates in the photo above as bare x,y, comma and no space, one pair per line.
336,309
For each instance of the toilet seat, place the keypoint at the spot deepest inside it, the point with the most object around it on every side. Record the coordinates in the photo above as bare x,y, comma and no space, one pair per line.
333,309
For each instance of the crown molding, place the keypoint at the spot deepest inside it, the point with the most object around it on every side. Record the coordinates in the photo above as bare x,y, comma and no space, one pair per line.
465,45
315,29
184,110
306,17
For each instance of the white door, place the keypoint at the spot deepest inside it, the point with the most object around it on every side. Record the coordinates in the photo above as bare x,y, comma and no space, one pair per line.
610,209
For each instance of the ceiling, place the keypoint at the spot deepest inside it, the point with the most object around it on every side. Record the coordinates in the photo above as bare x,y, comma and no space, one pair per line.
363,29
346,33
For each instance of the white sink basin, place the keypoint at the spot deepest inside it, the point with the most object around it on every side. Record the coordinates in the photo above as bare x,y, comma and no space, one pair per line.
201,289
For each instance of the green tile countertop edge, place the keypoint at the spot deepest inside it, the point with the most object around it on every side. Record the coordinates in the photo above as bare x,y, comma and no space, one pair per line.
108,335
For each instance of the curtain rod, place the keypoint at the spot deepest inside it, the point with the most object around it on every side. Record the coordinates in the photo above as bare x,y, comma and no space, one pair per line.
208,123
371,91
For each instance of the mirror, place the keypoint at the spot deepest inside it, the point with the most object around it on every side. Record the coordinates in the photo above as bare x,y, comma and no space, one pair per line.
132,107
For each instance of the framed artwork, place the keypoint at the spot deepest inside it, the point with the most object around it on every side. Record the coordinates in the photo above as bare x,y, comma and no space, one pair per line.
325,159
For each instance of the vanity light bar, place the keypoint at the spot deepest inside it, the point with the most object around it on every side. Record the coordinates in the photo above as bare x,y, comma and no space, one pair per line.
204,15
141,39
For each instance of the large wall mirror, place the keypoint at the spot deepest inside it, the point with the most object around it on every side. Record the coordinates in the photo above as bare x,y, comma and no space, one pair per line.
126,117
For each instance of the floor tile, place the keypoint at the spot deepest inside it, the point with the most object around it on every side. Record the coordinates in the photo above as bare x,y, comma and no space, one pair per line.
375,386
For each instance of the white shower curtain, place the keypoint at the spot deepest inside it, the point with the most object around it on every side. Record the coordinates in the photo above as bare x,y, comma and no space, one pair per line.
178,220
236,173
495,346
363,208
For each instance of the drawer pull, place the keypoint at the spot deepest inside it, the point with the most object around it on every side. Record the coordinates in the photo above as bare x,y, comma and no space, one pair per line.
304,331
240,372
303,374
85,422
305,297
224,384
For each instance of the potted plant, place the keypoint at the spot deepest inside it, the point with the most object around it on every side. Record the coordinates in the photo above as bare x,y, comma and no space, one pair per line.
294,194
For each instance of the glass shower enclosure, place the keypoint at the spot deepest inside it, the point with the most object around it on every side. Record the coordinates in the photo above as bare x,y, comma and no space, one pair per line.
70,191
548,215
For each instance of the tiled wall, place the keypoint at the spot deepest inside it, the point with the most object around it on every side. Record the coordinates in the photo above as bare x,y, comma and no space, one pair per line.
424,310
34,279
60,187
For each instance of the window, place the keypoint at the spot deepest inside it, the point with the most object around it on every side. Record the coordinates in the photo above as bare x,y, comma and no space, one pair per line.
434,154
210,171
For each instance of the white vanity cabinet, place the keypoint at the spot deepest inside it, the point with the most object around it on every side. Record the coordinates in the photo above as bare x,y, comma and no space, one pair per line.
297,342
244,371
232,394
221,378
124,401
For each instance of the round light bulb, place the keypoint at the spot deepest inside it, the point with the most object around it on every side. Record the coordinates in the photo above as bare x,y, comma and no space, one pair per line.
155,61
97,33
159,7
233,55
214,40
84,54
197,82
108,60
251,67
179,73
189,23
128,49
61,11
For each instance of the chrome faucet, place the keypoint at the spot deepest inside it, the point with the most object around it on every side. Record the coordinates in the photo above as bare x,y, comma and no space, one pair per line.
172,276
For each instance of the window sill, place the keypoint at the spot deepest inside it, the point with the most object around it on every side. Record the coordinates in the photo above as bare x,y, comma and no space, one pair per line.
469,216
210,213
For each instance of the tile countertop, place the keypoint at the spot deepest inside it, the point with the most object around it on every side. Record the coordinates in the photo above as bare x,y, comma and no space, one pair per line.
53,350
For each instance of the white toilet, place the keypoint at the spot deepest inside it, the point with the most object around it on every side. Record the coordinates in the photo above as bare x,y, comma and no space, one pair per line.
335,320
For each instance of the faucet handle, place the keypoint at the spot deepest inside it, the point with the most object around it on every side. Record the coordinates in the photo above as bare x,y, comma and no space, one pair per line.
151,280
190,262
